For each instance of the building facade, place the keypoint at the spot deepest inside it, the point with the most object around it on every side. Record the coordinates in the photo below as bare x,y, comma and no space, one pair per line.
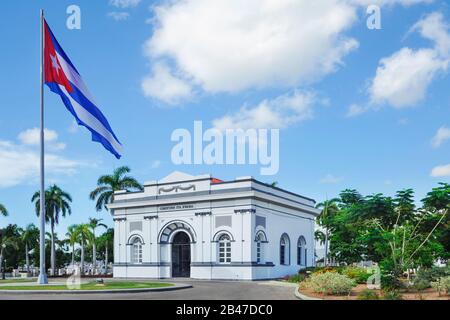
204,228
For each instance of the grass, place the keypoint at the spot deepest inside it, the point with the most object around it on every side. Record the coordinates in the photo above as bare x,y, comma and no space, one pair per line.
17,280
94,286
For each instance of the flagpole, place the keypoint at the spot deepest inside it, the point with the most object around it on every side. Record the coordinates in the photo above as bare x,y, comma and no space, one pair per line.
42,273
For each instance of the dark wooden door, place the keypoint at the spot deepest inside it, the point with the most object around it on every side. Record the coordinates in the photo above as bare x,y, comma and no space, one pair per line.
181,256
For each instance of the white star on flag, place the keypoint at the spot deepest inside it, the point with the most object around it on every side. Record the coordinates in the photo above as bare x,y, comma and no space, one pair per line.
55,63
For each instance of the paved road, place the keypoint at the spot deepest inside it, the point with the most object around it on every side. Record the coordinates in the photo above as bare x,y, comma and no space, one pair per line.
202,290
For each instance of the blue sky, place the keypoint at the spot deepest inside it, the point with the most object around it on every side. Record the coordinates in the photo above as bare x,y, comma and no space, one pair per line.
165,65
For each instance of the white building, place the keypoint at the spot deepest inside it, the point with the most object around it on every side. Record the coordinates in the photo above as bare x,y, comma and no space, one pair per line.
204,228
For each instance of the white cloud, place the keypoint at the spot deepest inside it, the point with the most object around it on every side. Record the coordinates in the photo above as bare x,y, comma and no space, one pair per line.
330,179
119,16
32,136
165,86
234,45
278,113
403,78
442,135
124,3
405,3
355,110
441,171
19,163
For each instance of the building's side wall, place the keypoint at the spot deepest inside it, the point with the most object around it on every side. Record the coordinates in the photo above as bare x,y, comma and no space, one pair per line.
277,224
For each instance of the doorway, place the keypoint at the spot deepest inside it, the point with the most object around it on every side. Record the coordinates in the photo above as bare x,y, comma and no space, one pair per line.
181,255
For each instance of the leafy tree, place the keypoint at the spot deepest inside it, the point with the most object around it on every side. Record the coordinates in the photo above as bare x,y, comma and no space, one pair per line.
437,202
84,236
329,210
108,184
30,237
3,211
350,197
57,202
94,224
72,236
7,241
389,230
106,245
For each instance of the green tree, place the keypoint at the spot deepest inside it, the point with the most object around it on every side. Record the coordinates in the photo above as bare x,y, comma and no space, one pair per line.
6,241
437,202
30,237
57,202
108,184
72,237
329,210
106,245
84,236
3,211
94,224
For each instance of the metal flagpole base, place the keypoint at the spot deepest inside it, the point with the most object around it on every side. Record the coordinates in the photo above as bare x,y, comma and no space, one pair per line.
42,279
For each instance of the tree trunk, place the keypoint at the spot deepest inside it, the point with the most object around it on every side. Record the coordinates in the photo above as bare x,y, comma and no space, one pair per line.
94,253
27,258
73,254
106,258
325,259
1,263
82,259
52,255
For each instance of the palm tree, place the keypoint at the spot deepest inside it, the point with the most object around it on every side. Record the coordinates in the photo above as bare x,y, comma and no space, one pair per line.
104,241
72,236
30,236
329,208
94,224
3,211
56,202
5,242
84,236
108,184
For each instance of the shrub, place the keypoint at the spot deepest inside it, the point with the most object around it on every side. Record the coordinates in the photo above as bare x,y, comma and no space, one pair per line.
434,273
307,270
296,278
324,270
442,285
390,282
360,275
421,284
392,295
330,283
368,295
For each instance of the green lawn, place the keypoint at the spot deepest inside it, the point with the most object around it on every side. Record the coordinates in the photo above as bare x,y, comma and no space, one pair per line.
17,280
94,286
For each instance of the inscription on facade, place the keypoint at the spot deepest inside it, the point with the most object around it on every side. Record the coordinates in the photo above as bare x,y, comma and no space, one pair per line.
176,207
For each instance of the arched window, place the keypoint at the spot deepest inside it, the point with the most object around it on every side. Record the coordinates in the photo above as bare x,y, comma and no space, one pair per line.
224,249
284,250
260,239
136,251
301,251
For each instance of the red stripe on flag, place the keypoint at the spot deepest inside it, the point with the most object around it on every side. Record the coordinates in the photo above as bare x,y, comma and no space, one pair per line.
53,70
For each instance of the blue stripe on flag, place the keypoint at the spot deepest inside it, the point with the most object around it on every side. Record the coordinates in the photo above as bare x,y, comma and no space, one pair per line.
96,137
79,97
60,50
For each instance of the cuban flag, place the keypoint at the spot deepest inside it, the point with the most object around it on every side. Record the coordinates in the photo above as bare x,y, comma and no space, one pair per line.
62,78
